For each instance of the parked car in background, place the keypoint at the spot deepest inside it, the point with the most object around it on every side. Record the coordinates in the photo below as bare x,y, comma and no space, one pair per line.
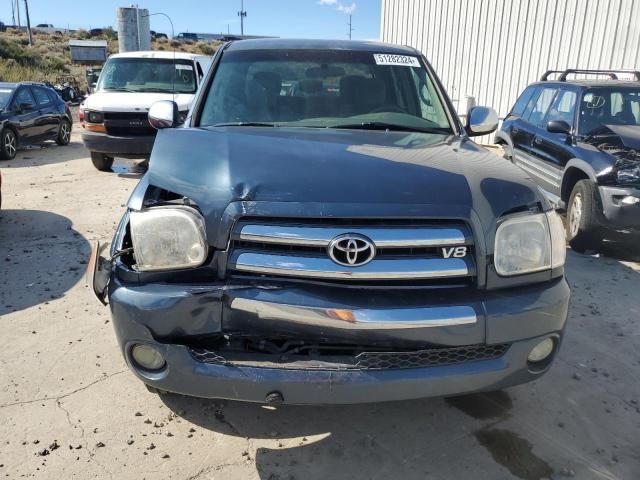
182,37
49,28
114,116
580,141
332,245
31,113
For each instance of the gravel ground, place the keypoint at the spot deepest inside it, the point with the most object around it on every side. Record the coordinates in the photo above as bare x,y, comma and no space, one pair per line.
69,408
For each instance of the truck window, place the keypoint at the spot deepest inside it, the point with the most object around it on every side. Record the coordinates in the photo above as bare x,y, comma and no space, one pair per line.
322,88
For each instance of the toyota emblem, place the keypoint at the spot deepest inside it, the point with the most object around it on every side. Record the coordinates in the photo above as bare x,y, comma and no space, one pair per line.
351,250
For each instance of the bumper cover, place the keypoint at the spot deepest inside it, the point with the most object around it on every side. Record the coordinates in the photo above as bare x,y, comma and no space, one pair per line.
158,314
618,215
118,146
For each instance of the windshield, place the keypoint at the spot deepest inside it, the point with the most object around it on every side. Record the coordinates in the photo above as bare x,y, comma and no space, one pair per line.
608,106
5,97
147,75
323,88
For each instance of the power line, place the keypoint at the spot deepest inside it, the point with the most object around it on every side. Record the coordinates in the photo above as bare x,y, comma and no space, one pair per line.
242,13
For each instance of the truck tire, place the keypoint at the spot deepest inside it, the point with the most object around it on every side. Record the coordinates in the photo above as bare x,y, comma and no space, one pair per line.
583,228
101,161
8,144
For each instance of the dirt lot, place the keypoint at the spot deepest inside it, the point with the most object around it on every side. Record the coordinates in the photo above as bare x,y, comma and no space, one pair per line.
69,408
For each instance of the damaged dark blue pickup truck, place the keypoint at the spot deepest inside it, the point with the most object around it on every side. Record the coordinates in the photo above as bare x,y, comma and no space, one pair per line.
322,230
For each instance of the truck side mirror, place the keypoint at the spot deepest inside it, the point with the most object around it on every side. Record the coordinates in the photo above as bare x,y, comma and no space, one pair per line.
163,114
481,121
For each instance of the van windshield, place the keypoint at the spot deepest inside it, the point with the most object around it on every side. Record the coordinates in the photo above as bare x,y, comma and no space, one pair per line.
323,88
161,75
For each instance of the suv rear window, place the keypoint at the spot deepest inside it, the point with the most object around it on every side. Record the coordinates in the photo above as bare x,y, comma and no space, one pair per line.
321,88
42,99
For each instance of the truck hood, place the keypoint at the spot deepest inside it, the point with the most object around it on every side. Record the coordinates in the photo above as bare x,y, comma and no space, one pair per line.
131,102
322,170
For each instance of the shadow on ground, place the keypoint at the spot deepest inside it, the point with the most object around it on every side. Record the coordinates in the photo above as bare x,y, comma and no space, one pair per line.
41,257
415,437
47,153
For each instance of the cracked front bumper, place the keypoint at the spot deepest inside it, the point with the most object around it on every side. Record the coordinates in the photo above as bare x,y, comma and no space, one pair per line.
164,315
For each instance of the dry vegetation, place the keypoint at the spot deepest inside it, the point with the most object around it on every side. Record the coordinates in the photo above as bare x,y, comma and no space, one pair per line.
49,56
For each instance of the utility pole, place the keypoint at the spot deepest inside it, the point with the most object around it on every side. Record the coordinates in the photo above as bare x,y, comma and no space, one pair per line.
13,12
242,14
26,11
350,27
18,10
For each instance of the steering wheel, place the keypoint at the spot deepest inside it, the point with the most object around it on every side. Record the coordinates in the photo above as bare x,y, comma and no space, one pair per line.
388,108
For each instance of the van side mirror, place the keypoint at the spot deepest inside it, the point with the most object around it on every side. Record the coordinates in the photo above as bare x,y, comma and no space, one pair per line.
481,121
559,126
163,114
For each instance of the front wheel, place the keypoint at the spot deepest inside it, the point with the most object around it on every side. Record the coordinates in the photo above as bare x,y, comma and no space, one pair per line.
8,145
583,228
64,133
101,161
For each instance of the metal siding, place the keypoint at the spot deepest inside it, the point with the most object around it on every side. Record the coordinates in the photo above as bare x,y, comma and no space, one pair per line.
492,49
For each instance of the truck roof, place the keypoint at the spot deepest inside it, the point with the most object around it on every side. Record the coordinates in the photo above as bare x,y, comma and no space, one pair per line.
298,44
157,54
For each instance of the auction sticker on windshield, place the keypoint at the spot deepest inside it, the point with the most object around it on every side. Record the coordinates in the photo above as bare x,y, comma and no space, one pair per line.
180,66
402,60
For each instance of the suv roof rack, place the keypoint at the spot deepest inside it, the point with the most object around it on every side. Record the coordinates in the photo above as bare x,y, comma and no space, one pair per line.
611,73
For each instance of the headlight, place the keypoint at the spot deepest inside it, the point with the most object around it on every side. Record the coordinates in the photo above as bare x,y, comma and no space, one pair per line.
529,243
168,238
94,117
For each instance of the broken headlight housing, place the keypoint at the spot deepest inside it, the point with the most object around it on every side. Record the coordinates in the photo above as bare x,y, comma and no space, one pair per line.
529,243
168,238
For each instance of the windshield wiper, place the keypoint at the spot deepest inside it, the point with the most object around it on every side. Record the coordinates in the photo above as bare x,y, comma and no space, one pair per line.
245,124
388,126
156,90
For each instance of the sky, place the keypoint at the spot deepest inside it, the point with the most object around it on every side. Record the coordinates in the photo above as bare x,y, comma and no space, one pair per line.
281,18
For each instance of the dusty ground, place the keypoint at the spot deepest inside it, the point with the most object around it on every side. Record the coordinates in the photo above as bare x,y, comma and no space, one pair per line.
70,409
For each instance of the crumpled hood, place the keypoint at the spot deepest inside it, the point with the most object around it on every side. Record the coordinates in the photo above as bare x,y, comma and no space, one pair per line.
629,134
326,167
130,101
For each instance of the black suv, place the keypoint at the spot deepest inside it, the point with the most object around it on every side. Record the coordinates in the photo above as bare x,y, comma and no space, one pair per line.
580,140
31,113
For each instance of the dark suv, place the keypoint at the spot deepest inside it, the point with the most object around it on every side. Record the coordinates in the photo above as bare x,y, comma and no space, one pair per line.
341,241
579,140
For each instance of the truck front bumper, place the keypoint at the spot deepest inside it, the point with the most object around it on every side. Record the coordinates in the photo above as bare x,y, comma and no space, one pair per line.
128,147
166,316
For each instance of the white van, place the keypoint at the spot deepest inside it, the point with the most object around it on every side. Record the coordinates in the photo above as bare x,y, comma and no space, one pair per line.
114,118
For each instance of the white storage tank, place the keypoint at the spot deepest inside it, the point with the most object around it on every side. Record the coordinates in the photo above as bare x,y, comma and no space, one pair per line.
133,24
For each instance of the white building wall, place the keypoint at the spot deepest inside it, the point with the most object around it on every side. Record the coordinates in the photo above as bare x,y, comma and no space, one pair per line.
492,49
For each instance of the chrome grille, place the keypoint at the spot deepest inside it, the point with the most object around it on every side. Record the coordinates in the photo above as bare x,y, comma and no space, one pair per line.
404,251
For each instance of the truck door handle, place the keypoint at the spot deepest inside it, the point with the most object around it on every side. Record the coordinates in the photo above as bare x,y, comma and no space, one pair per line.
537,141
516,130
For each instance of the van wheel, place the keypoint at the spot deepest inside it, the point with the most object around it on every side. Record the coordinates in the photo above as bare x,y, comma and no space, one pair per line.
64,133
583,228
8,144
101,161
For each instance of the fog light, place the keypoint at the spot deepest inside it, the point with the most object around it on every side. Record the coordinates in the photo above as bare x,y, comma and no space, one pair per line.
147,357
541,351
630,200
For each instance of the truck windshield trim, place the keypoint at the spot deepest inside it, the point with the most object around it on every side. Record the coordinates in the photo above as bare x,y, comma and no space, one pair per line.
322,89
